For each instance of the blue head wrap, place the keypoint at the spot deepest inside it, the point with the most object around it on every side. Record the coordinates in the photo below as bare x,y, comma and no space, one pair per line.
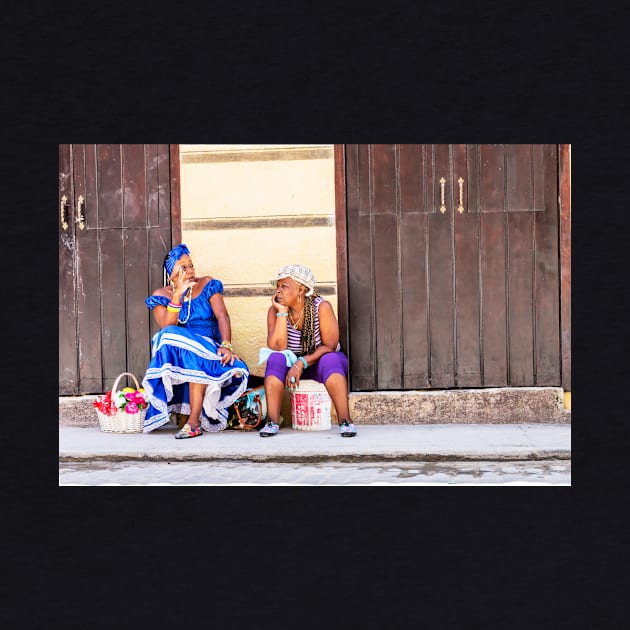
173,256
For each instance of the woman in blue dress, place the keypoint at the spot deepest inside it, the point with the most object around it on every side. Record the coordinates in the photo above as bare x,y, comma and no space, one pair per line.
193,368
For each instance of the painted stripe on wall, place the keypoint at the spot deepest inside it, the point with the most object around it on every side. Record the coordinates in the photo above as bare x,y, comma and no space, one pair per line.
281,221
266,290
254,155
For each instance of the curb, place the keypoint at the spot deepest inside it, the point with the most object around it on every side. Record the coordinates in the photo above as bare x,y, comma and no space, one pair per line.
314,459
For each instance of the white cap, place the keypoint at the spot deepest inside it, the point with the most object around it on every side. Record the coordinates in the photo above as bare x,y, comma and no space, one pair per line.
299,273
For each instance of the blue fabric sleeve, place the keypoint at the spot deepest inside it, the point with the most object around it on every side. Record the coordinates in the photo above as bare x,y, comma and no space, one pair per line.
156,300
214,286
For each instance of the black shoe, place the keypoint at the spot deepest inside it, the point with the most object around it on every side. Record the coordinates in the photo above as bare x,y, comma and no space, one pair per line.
347,429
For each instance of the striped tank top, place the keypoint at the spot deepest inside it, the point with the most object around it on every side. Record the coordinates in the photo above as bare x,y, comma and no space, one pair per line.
294,337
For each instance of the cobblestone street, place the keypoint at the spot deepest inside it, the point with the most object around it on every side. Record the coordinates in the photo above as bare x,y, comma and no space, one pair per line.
177,473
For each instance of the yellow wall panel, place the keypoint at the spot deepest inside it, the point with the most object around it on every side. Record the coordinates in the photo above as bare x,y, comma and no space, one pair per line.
242,189
246,257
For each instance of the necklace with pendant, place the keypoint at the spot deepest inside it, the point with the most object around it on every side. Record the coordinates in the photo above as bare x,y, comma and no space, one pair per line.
296,323
188,299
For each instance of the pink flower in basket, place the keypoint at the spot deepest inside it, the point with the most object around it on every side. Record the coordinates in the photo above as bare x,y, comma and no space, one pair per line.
131,407
139,400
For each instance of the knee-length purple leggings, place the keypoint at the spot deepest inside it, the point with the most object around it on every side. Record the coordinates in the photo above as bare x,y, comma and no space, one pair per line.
328,364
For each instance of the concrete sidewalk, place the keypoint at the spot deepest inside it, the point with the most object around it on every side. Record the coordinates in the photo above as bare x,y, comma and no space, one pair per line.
427,442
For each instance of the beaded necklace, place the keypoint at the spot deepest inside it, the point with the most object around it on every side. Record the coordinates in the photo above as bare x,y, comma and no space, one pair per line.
189,299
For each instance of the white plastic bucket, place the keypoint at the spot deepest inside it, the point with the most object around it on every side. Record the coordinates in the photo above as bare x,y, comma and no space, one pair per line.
310,407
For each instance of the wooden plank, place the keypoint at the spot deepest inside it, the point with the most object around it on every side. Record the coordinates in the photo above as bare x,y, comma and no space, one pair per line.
565,263
493,299
362,166
152,184
112,263
160,235
518,177
360,273
134,185
491,178
341,241
383,179
467,289
136,290
415,310
473,174
547,275
412,175
170,190
110,199
90,287
68,367
538,176
157,252
520,299
387,298
441,288
113,306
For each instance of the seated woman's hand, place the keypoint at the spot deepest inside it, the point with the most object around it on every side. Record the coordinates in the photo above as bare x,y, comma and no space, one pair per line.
293,375
227,355
278,305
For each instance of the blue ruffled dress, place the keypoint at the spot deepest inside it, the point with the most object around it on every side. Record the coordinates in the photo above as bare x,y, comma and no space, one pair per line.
187,353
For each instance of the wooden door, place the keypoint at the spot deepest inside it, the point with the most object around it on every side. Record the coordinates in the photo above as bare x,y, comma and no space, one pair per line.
453,266
115,229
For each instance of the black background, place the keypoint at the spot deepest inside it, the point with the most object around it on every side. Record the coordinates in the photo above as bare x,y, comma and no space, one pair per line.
283,557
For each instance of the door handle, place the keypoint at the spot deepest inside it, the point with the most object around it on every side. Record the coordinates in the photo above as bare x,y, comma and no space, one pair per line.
460,208
80,216
62,211
442,185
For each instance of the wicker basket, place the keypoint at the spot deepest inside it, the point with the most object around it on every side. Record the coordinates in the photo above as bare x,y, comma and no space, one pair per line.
122,422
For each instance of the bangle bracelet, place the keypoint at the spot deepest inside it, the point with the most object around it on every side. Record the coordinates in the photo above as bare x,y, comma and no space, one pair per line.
228,345
303,361
282,314
173,310
174,305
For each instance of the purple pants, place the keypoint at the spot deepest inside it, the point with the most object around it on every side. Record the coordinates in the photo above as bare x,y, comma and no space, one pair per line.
327,365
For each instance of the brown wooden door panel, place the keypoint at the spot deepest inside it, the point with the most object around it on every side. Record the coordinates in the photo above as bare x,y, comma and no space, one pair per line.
138,315
505,178
382,168
547,277
387,293
360,270
520,291
440,269
68,368
414,298
109,194
467,280
117,261
113,321
493,299
478,283
412,169
89,340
